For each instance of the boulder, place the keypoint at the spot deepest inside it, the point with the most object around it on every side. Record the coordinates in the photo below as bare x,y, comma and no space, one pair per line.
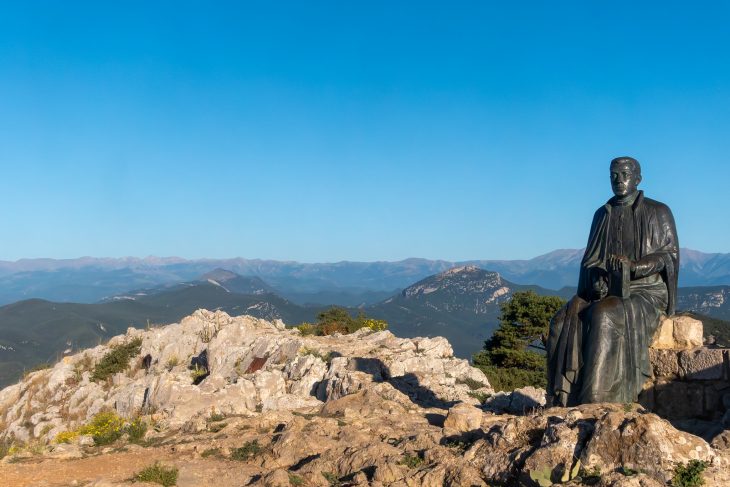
678,333
463,418
519,401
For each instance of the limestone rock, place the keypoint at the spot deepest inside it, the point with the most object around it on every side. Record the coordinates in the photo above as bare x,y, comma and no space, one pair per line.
519,401
664,335
641,442
678,333
687,333
278,478
554,461
253,366
463,417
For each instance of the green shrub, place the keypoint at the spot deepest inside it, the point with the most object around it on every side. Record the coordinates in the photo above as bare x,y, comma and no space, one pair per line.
66,436
511,378
197,373
375,325
249,450
326,358
479,396
172,362
116,360
212,452
590,476
332,479
215,417
307,328
689,475
136,430
470,383
208,333
159,474
105,428
339,320
295,479
411,461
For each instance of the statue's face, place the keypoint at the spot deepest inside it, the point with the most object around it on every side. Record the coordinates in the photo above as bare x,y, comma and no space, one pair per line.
623,179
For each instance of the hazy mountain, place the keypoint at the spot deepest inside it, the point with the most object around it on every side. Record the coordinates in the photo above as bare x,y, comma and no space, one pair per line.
461,304
700,269
347,283
711,301
553,270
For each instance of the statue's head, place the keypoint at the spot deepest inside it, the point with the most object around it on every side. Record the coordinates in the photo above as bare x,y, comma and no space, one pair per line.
625,176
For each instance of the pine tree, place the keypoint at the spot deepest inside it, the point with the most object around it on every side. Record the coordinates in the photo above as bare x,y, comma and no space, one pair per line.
509,358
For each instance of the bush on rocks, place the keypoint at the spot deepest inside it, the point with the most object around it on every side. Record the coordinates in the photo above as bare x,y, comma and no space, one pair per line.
116,360
105,428
339,320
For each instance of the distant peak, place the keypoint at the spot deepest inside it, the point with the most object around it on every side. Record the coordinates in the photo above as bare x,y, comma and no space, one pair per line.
464,269
219,275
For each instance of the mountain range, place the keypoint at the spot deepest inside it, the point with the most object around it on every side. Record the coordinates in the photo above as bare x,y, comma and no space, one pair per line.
461,303
89,280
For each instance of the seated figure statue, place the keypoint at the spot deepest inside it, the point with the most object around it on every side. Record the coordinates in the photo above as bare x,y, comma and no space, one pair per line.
598,342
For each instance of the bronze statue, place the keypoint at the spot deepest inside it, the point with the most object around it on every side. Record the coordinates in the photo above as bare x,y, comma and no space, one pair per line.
598,342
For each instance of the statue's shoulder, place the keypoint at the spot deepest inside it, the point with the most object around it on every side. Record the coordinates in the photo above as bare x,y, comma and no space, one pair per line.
656,206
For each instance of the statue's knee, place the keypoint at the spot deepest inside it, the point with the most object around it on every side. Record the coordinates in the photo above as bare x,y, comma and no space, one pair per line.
606,310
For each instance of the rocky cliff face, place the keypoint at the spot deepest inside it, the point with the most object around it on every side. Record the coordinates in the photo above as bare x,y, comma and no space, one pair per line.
710,300
264,405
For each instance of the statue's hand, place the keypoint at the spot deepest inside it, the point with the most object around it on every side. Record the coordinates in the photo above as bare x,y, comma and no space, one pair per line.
600,288
616,263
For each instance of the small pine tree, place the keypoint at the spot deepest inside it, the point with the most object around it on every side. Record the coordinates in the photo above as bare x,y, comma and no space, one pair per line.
507,358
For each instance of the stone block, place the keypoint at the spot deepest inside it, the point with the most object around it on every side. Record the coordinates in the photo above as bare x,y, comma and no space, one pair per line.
687,332
664,363
678,333
702,364
713,403
663,337
679,400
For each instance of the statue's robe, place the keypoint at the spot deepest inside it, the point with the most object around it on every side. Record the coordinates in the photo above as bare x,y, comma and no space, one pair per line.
598,348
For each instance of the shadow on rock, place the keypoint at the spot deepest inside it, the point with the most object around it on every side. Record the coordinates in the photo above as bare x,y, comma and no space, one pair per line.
422,396
525,400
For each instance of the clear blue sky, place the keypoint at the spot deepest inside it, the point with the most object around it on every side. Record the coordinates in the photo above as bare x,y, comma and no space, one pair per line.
323,131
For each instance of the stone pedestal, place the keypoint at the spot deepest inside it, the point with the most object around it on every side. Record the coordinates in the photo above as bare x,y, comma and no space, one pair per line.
689,381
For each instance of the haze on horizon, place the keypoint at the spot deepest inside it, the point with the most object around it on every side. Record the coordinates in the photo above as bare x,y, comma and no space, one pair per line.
327,132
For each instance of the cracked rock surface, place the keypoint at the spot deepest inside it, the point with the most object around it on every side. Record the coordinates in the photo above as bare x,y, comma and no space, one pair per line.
278,408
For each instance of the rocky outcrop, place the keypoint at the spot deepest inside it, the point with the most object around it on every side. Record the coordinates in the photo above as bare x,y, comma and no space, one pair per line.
268,406
252,365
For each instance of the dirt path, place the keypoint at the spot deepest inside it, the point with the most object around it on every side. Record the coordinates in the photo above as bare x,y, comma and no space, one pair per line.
118,468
